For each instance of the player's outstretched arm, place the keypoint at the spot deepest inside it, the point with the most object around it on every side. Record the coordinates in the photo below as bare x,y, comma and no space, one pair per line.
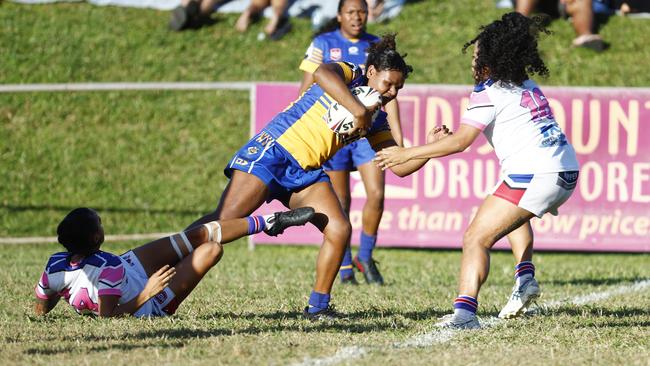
454,143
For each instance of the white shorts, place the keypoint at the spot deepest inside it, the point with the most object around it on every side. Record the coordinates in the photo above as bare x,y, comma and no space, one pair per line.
537,193
159,305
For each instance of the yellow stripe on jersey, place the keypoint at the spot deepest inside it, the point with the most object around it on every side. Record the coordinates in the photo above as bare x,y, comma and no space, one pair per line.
309,140
348,72
309,66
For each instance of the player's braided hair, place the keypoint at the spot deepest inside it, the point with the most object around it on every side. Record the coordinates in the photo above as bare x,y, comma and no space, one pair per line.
383,55
507,49
333,24
76,230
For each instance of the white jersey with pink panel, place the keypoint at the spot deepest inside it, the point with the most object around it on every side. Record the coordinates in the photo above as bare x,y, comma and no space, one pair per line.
81,284
518,122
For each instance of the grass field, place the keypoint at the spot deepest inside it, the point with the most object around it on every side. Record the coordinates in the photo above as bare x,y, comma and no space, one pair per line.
152,162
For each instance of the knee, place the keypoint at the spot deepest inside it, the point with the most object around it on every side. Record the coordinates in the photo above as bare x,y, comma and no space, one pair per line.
375,198
215,252
474,240
338,231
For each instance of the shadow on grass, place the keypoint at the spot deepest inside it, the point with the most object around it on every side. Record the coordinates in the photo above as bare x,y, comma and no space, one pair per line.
23,208
595,281
100,348
598,311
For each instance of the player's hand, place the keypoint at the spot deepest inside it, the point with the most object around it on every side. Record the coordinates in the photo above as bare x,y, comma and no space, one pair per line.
363,120
159,280
438,133
391,156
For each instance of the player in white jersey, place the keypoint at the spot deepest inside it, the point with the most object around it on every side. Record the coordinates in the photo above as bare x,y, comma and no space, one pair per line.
539,166
151,280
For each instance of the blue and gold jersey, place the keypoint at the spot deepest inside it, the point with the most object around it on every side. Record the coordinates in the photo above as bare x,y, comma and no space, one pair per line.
334,47
302,130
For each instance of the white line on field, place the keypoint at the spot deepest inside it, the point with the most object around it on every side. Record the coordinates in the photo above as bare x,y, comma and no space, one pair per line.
440,336
108,238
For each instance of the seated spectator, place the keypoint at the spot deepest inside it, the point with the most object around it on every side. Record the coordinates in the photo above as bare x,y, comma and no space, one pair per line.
192,14
278,24
582,15
627,7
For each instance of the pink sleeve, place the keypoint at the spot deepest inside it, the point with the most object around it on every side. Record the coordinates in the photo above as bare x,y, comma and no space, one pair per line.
43,290
480,111
110,281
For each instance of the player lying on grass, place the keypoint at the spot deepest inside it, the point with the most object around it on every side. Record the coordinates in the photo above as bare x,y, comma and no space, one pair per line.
284,161
150,280
539,166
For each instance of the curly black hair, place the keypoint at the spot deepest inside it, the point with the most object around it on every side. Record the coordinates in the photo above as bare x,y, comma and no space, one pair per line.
76,231
383,55
507,49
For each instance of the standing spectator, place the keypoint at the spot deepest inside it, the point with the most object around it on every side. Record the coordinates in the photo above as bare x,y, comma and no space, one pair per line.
580,11
345,39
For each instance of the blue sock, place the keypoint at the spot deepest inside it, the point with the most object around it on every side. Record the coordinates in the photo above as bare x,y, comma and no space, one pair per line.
367,246
465,302
318,302
524,268
256,224
346,266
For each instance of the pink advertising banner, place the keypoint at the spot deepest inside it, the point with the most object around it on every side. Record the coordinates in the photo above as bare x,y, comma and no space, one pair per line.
609,211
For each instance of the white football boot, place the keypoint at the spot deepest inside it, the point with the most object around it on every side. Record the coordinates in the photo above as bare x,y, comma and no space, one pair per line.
453,321
522,296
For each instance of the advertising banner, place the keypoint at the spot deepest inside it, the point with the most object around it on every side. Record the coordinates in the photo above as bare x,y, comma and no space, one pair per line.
609,211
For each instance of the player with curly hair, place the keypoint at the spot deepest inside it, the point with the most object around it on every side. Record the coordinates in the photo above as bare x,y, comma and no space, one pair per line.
538,165
284,160
345,38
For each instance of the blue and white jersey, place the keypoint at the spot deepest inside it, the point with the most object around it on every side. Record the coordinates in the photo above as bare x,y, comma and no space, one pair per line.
334,47
517,121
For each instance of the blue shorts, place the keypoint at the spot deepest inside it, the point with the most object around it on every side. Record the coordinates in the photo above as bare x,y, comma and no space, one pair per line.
351,156
264,158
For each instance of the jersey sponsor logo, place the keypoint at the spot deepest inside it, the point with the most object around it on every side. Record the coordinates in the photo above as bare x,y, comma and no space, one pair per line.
335,54
161,297
354,50
264,138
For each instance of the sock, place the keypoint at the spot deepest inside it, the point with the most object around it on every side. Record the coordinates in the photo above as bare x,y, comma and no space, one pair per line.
346,266
524,271
256,224
367,246
318,302
465,306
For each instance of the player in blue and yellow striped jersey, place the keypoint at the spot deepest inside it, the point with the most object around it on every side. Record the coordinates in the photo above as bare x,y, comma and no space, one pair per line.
284,160
345,39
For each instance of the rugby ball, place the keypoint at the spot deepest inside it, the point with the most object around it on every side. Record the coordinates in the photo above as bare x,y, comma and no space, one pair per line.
340,120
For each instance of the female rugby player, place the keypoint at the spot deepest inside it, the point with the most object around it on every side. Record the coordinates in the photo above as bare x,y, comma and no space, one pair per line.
345,39
151,280
284,161
539,166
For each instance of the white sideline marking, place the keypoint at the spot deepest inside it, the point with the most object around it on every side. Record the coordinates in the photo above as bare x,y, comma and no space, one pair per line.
441,336
234,85
108,238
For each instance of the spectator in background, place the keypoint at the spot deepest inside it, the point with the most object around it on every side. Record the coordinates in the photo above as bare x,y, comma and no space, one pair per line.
580,11
192,14
278,24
